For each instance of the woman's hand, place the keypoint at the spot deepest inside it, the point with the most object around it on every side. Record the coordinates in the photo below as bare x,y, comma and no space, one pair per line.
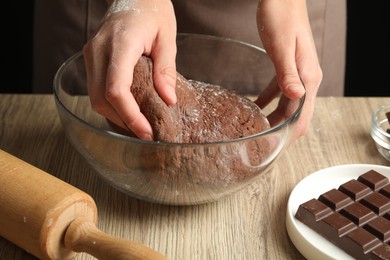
285,31
131,28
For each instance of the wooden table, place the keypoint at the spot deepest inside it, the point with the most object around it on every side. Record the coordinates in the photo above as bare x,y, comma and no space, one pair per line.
247,225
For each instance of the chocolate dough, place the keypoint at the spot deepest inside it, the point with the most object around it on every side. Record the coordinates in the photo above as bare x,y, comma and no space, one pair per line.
203,113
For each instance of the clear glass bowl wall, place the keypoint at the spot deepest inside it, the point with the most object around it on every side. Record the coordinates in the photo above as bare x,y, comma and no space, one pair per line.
171,173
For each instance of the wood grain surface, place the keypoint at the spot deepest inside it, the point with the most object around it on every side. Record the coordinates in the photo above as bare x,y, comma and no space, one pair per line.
247,225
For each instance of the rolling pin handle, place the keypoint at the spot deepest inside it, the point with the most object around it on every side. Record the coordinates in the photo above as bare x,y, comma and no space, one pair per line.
84,236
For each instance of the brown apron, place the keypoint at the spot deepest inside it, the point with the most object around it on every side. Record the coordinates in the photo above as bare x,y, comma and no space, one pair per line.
61,28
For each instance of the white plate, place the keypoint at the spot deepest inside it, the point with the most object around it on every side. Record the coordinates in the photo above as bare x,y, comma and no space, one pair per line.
308,242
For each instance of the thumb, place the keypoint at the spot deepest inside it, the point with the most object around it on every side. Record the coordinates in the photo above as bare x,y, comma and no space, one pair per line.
287,73
164,74
289,81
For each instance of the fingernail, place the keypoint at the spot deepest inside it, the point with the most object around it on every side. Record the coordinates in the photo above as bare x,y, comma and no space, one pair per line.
171,95
146,136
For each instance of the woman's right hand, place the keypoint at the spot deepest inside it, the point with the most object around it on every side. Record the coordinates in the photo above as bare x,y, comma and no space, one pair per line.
130,29
285,31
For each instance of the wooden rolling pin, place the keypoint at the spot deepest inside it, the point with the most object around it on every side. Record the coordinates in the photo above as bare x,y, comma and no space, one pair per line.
51,219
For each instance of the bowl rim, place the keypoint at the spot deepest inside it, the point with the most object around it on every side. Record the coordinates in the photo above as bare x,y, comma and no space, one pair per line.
64,65
375,123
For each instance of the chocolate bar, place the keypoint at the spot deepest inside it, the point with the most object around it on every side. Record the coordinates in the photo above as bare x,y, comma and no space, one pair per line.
354,217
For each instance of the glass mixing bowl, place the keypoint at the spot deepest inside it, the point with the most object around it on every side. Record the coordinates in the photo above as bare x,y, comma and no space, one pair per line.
380,130
178,173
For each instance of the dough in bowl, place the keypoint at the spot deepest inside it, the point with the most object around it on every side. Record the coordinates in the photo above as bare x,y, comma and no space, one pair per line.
203,112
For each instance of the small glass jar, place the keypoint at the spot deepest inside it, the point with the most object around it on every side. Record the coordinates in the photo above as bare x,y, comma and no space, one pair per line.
380,130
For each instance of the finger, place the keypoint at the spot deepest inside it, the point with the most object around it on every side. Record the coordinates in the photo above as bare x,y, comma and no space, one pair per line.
285,109
287,73
129,112
268,94
164,69
117,93
96,63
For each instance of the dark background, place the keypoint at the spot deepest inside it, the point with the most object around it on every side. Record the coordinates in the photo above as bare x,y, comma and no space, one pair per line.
16,54
367,54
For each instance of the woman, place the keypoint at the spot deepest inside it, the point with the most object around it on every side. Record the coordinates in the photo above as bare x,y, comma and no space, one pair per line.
299,50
